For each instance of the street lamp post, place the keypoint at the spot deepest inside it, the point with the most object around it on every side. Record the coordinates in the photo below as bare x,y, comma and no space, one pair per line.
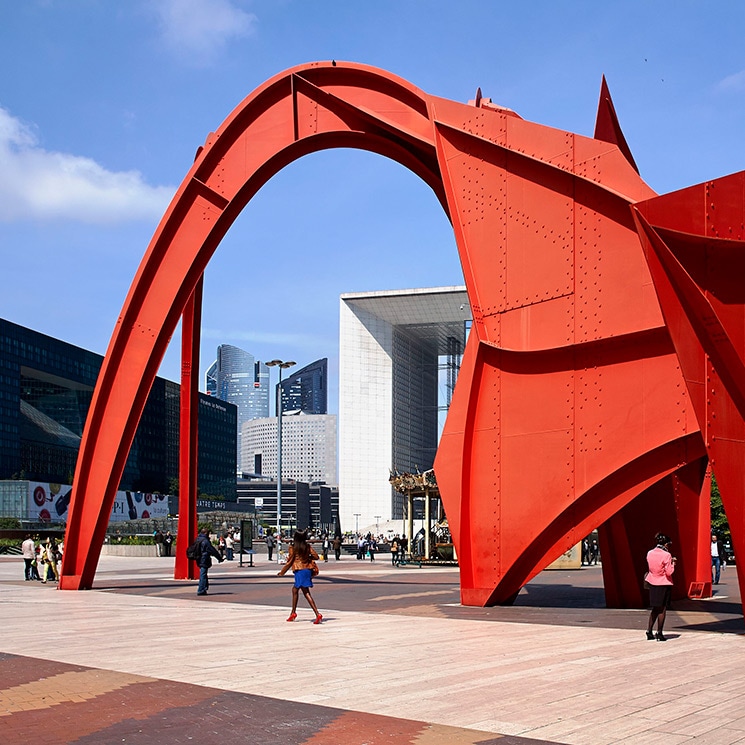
357,522
377,523
278,408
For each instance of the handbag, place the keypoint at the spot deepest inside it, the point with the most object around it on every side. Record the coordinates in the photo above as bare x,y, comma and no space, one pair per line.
314,568
646,584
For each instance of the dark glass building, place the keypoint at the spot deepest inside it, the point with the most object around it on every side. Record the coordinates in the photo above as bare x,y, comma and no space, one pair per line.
46,386
304,505
242,380
306,390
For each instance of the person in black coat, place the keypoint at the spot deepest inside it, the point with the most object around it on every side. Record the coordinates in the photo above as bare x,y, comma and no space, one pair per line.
204,562
167,543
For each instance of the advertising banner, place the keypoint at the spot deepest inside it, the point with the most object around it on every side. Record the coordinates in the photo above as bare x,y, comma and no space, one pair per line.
48,503
137,505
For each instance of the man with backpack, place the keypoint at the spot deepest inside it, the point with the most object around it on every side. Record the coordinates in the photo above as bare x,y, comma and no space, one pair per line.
203,551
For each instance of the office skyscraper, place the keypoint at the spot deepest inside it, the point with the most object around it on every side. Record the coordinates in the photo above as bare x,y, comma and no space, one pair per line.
210,380
306,390
392,347
242,381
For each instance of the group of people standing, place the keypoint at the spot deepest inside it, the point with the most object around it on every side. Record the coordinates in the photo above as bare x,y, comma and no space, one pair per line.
327,543
41,562
590,551
366,546
399,546
226,543
163,542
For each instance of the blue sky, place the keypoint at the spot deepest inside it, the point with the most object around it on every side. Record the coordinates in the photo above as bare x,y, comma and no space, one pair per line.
103,105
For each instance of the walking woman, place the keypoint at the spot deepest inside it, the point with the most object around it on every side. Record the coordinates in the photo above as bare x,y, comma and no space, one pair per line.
660,580
301,559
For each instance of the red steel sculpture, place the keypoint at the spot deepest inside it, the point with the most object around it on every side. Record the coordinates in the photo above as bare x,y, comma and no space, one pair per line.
605,363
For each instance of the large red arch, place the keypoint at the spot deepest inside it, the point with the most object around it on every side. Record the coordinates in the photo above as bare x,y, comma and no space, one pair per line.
570,410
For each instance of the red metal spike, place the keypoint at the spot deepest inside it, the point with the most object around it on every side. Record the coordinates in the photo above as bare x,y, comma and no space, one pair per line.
607,127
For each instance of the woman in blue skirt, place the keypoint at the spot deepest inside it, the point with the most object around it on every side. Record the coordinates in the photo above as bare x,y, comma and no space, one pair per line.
301,559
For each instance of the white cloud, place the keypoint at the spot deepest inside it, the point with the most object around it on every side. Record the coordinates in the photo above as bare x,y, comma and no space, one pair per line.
735,82
36,184
197,30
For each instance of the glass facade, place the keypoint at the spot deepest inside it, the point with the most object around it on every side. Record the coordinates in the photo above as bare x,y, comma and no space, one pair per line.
306,390
415,407
46,387
210,380
244,382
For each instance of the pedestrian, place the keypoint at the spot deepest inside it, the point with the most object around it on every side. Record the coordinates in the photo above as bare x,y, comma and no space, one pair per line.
325,546
403,545
34,563
337,547
659,579
718,557
167,543
586,552
158,537
229,545
594,551
372,547
301,558
204,561
394,551
270,544
51,557
28,551
41,562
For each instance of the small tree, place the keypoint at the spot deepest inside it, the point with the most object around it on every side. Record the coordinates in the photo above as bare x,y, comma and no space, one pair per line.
719,523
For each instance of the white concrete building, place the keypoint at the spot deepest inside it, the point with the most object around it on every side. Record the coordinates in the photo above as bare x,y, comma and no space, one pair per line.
391,344
308,447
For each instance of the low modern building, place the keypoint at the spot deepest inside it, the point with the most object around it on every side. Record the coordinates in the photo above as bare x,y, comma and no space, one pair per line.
399,356
46,386
304,505
308,447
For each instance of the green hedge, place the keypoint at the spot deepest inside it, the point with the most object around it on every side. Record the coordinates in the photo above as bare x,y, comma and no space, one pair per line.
130,540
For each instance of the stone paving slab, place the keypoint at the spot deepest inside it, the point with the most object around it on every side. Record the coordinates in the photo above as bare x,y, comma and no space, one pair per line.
153,653
60,703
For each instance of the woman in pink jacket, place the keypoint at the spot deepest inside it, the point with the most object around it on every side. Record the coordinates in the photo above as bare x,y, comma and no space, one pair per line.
660,580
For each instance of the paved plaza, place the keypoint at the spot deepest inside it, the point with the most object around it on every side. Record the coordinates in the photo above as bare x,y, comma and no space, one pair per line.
142,659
